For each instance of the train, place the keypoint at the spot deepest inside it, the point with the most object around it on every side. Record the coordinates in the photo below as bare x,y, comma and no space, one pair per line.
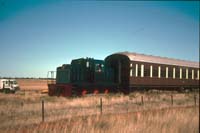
123,72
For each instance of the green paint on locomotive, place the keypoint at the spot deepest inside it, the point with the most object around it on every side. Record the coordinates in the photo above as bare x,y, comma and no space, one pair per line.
87,70
63,74
84,72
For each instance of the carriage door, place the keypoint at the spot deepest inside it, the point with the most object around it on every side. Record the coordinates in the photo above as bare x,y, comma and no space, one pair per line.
123,72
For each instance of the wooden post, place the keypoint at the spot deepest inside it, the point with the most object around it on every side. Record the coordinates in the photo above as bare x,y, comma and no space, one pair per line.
195,102
127,106
142,100
42,110
22,104
148,98
101,105
171,99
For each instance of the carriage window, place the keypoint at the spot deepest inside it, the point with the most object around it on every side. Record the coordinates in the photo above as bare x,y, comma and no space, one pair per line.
187,73
198,75
166,72
159,71
151,71
192,74
136,70
131,72
180,73
142,70
174,72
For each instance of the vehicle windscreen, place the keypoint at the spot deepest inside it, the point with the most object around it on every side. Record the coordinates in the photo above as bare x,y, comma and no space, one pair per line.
13,82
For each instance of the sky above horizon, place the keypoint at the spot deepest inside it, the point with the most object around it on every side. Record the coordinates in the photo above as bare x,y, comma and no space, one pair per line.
37,36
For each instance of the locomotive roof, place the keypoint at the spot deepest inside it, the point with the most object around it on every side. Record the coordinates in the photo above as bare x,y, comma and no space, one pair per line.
159,60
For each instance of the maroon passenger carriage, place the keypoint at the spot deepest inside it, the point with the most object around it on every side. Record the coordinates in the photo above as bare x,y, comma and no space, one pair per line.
133,71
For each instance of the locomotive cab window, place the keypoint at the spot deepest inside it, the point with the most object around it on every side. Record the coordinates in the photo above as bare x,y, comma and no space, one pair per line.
99,67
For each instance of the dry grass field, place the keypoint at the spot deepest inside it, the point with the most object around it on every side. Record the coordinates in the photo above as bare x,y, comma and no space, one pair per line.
174,120
21,112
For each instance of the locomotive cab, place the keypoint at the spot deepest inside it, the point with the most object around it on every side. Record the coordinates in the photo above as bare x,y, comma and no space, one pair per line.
87,70
87,75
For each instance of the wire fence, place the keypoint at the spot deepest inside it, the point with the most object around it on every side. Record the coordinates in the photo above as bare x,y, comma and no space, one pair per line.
26,113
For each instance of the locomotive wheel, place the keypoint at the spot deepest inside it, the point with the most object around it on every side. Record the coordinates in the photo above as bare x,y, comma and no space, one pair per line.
74,93
96,91
84,92
106,91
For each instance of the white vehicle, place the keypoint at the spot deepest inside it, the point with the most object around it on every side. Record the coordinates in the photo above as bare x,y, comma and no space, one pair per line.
8,85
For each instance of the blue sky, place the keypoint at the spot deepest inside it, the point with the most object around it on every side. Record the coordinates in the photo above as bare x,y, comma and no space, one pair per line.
37,36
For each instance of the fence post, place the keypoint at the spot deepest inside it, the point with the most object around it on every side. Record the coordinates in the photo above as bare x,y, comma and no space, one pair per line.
22,104
42,110
195,100
171,99
127,106
101,105
148,98
142,100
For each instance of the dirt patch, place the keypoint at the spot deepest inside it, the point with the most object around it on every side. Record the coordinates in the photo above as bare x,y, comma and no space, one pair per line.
32,84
